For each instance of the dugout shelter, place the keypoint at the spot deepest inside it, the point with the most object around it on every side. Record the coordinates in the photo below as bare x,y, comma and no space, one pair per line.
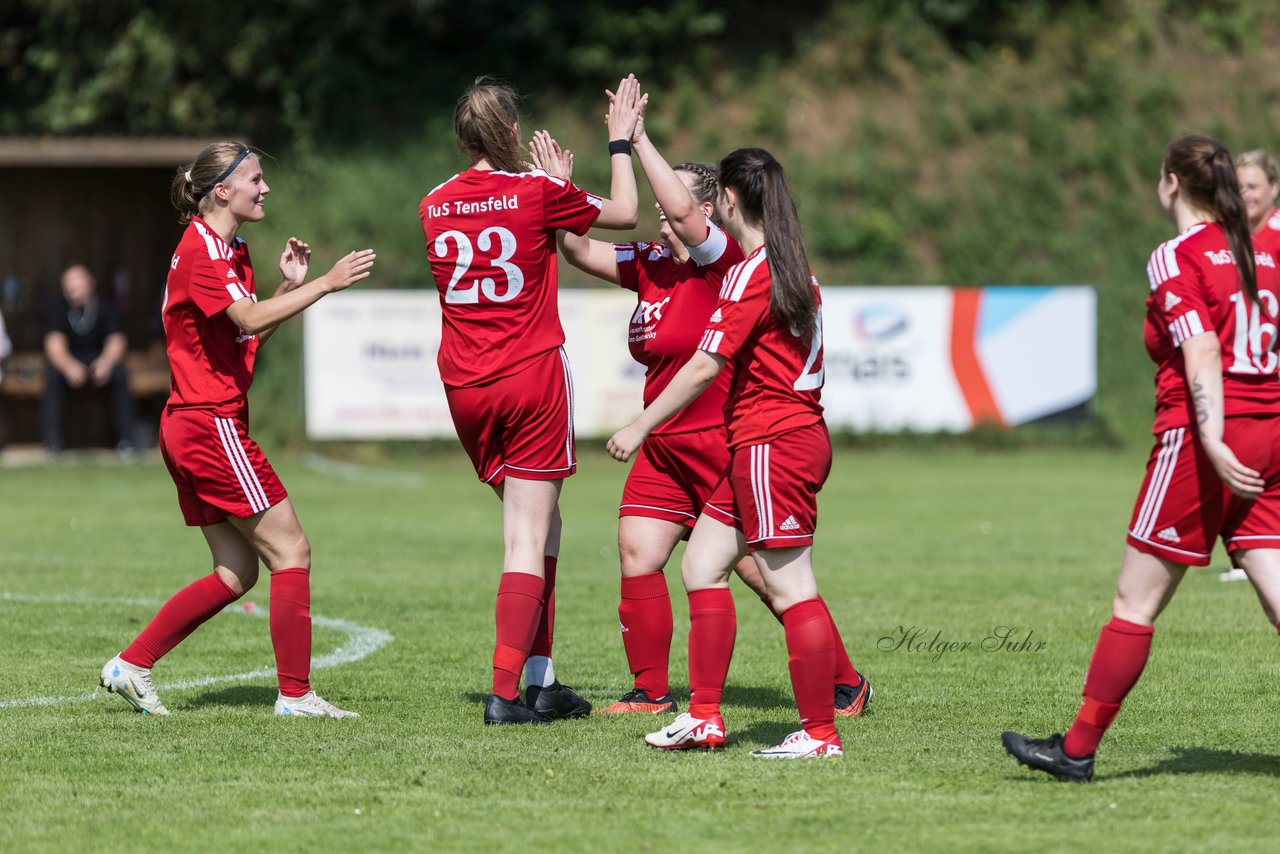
102,202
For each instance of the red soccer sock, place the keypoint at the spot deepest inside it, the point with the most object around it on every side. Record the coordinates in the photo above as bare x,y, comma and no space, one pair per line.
645,616
544,634
811,659
845,672
516,612
291,629
1118,660
179,617
713,627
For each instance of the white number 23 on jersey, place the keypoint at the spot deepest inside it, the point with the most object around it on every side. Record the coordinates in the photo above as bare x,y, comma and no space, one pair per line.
499,256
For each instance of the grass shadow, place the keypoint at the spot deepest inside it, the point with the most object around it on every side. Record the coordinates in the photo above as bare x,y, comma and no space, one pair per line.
763,734
1207,760
237,695
757,698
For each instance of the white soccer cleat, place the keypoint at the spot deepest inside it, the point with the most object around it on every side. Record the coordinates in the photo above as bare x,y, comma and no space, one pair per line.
309,705
1235,573
801,745
134,684
689,733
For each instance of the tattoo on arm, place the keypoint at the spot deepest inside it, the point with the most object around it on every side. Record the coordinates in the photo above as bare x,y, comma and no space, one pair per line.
1203,402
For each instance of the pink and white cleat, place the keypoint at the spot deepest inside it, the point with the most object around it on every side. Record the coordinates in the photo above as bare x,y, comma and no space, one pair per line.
801,745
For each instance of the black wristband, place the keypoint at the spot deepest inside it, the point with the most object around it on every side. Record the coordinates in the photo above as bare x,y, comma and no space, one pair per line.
619,146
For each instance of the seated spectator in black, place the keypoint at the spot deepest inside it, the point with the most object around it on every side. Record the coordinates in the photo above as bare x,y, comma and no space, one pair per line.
85,349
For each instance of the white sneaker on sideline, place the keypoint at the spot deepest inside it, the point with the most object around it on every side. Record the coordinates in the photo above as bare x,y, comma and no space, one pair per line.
1235,573
309,705
801,745
133,684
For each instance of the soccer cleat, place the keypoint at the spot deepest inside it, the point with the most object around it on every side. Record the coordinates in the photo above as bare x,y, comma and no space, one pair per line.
556,701
638,701
1046,754
689,733
499,710
309,705
134,684
801,745
1235,573
851,701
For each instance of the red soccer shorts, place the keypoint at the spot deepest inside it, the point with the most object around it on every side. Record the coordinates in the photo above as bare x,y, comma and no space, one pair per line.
674,474
520,425
1183,506
218,470
771,493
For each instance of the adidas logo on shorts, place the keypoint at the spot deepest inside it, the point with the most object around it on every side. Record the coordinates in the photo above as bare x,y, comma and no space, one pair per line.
715,316
790,525
1169,535
1170,300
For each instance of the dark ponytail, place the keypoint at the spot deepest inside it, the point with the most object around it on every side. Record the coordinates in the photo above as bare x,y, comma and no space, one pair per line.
1207,176
762,192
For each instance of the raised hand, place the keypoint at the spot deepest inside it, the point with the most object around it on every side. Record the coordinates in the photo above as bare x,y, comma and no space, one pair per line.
625,108
350,269
549,157
295,260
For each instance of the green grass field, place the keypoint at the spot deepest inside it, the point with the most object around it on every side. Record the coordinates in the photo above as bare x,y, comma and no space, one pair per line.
956,541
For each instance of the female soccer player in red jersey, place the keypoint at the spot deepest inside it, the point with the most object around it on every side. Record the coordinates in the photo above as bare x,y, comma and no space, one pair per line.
490,234
1215,467
677,282
767,322
214,325
1259,176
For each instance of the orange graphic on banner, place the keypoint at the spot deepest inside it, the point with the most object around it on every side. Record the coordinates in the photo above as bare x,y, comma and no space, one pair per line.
965,303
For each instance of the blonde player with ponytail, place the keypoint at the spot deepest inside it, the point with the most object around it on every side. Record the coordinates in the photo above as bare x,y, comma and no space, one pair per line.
214,324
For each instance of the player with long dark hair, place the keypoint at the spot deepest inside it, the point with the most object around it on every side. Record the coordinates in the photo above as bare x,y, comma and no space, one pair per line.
490,233
767,323
1215,468
214,325
677,282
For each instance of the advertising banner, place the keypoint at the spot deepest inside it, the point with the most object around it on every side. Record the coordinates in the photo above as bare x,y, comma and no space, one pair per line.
897,358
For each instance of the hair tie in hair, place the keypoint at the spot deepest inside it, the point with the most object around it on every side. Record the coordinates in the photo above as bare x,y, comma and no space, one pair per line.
225,172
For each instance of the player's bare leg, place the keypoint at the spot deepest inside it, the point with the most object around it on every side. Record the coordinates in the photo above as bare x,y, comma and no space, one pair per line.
1263,568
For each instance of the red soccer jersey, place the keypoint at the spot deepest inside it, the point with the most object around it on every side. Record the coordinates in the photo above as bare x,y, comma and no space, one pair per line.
491,241
675,301
1195,288
1267,238
777,382
211,359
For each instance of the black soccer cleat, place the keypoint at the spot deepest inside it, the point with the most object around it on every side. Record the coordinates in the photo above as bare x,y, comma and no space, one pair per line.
852,700
502,711
556,701
1047,755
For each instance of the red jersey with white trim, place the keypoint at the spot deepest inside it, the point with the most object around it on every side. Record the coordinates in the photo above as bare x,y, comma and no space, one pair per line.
778,375
491,242
675,301
1267,237
1196,288
210,358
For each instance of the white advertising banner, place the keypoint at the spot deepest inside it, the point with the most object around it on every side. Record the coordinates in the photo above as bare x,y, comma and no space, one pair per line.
917,358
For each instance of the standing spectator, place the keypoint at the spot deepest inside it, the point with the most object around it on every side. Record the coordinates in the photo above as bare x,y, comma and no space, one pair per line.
6,346
85,349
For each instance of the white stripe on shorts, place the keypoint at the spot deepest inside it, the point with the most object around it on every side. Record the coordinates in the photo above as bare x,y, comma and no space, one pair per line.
568,391
1166,460
760,489
253,491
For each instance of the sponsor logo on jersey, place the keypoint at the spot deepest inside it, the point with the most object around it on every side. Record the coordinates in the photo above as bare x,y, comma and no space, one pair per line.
1220,258
1169,535
1264,259
173,265
790,525
879,322
1170,300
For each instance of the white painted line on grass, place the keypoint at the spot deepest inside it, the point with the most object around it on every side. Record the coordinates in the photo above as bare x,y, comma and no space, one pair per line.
363,474
361,642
